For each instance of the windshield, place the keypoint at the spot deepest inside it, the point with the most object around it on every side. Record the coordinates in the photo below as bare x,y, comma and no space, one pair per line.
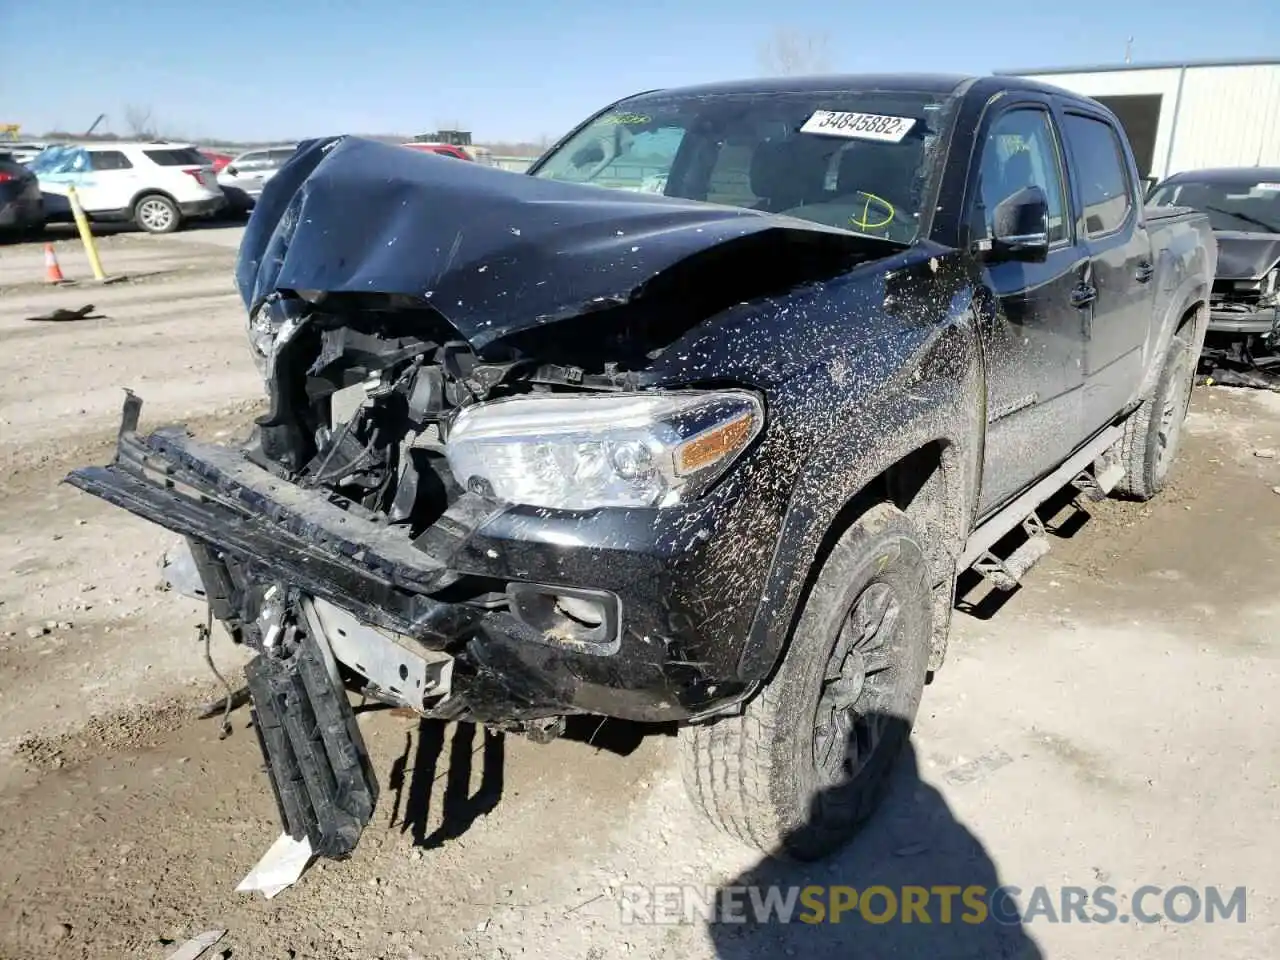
53,160
861,161
1238,205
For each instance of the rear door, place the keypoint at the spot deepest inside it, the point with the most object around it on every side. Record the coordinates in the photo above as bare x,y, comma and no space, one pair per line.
112,183
1033,333
1113,229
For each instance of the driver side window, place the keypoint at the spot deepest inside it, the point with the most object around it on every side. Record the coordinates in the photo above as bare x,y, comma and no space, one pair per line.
1020,151
623,158
643,161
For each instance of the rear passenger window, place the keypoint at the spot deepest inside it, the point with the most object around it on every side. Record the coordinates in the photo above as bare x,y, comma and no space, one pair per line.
181,157
109,160
1101,171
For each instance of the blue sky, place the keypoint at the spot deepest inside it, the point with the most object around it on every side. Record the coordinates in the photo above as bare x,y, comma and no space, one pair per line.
504,69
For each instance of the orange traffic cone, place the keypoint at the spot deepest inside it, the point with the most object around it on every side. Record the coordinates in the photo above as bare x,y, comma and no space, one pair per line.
52,272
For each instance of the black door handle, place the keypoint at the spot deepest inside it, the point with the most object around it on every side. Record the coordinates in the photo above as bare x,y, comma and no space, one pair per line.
1083,294
1145,271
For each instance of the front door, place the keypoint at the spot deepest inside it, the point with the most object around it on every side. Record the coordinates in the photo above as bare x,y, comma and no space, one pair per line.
1033,335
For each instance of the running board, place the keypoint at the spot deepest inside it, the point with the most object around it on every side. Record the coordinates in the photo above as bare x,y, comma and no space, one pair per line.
1006,573
1096,486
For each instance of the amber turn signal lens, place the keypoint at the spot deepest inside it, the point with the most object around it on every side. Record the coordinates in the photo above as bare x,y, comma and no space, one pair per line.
715,444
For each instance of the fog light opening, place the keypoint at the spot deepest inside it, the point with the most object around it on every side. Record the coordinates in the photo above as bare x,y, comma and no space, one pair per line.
588,613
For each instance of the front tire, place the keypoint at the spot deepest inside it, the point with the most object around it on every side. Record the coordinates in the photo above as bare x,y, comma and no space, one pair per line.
1153,432
810,757
156,213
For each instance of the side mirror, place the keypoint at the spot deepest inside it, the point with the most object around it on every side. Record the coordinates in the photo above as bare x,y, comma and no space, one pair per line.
230,170
1020,227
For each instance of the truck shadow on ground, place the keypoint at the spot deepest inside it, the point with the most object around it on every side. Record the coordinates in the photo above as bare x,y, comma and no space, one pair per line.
412,784
913,846
414,774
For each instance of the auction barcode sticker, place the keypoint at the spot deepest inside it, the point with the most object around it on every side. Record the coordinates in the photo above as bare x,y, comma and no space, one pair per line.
860,126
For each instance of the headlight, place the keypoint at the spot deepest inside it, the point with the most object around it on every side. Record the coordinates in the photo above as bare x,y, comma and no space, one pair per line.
586,451
270,327
262,336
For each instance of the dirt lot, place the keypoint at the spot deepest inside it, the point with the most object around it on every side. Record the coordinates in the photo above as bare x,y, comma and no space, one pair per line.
1115,722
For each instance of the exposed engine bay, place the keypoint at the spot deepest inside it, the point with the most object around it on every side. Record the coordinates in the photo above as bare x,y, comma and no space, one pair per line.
1242,347
361,404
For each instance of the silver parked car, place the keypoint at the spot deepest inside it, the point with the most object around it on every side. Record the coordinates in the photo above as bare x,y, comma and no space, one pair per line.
243,178
22,151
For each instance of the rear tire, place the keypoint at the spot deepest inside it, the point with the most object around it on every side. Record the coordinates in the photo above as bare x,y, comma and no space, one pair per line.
1153,432
156,213
852,676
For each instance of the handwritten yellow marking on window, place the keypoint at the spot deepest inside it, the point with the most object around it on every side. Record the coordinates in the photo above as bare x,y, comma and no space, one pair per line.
625,118
866,222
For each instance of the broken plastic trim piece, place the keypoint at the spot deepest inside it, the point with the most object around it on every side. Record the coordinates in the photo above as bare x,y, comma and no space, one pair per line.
194,948
280,867
317,764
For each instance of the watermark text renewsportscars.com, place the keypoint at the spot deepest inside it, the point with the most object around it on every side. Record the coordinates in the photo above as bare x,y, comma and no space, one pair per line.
937,904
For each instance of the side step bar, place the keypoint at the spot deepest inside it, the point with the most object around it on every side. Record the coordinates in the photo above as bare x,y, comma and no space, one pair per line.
1095,486
316,761
1007,573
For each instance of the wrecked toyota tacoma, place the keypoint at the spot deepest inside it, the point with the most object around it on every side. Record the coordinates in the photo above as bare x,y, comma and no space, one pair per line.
696,422
1242,346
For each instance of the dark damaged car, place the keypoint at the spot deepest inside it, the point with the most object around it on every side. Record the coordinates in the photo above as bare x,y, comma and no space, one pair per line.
1243,206
697,422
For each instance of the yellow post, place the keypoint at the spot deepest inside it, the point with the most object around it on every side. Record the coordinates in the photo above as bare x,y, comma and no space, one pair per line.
86,235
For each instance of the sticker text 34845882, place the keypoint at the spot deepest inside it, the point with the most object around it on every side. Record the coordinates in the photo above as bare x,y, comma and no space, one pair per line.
859,126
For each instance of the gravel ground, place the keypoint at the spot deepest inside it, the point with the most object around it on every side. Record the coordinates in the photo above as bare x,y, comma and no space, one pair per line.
1114,722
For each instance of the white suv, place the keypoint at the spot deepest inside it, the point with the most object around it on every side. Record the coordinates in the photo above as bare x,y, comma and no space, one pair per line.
156,185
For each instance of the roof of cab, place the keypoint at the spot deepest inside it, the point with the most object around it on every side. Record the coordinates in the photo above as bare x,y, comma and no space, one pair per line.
939,83
932,83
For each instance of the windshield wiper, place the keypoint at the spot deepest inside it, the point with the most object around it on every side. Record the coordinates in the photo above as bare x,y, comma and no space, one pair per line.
1269,227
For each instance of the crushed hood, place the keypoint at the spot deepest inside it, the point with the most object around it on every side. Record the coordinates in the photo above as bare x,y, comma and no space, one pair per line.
1246,256
494,252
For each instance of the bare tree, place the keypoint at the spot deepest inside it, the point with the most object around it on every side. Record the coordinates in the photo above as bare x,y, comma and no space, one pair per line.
793,52
138,119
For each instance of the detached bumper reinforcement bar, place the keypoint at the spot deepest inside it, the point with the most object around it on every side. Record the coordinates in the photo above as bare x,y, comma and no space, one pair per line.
215,495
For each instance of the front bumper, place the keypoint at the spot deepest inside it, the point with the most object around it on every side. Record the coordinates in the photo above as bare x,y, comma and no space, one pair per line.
1264,320
22,212
477,584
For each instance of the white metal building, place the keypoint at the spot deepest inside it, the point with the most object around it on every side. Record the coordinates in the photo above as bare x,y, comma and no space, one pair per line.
1186,116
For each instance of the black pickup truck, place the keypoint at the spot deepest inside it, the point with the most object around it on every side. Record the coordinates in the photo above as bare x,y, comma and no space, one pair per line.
696,422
